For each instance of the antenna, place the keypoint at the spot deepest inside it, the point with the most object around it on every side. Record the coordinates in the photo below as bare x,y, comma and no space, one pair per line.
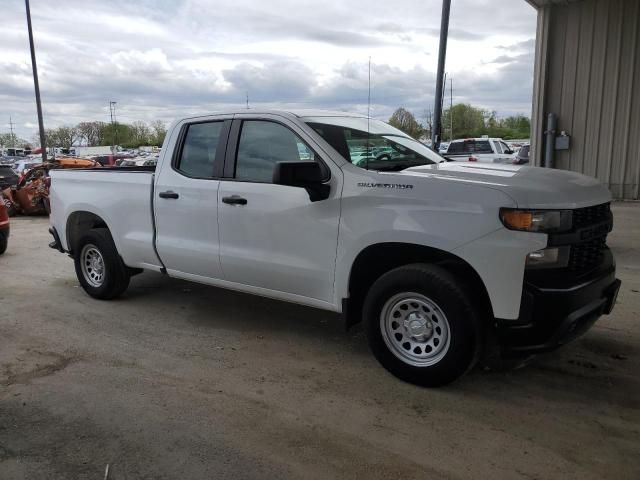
368,114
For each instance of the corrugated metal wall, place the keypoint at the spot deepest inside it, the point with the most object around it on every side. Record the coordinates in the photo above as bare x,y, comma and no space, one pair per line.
588,72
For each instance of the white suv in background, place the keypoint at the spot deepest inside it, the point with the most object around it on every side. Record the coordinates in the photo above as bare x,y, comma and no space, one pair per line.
485,150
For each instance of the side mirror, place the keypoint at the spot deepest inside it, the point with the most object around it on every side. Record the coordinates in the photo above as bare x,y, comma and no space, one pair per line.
509,152
307,175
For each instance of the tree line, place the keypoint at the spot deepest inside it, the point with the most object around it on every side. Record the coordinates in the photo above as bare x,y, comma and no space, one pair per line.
95,134
468,122
12,140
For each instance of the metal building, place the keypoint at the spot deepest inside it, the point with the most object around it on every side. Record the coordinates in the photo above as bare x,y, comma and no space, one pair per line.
587,72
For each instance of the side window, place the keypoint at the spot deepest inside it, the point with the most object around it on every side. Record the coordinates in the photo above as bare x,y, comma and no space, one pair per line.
483,146
457,147
263,144
498,146
199,149
505,147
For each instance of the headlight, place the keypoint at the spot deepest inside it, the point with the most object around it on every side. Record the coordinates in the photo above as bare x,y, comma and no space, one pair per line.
556,257
544,221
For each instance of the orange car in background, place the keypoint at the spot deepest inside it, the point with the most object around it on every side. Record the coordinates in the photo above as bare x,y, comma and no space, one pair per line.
31,195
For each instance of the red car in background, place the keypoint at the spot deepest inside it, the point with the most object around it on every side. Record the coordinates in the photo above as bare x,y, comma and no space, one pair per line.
4,225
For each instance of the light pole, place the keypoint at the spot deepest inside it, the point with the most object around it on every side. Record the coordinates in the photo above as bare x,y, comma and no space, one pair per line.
436,134
43,144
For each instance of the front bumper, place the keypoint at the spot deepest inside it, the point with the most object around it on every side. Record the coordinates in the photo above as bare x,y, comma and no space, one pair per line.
557,308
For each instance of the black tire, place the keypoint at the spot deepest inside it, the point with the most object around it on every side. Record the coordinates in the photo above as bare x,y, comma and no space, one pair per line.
4,241
463,324
115,277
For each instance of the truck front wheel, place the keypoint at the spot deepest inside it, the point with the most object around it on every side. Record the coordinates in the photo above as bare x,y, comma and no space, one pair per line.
421,325
99,268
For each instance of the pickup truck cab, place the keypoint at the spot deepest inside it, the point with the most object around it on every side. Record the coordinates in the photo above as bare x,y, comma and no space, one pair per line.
484,150
443,262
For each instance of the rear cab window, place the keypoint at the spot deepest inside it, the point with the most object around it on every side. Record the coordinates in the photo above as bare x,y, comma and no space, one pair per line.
198,153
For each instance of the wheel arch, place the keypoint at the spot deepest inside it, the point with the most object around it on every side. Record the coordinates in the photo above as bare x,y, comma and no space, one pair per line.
80,222
377,259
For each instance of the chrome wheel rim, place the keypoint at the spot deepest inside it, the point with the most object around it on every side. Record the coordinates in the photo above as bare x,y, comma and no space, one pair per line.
415,329
92,265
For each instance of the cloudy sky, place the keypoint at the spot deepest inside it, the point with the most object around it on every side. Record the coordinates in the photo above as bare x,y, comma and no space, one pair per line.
160,59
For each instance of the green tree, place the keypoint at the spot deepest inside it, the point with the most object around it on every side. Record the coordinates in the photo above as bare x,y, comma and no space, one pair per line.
91,132
159,132
67,136
404,120
467,121
140,134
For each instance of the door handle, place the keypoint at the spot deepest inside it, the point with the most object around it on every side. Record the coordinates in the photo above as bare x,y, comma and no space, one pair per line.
234,200
169,194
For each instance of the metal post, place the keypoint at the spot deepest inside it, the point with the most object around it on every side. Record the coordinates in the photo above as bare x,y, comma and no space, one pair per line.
550,133
114,126
442,54
43,142
451,112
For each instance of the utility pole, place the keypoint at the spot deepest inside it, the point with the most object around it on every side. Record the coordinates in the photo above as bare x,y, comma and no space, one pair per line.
114,126
436,135
13,137
247,93
36,84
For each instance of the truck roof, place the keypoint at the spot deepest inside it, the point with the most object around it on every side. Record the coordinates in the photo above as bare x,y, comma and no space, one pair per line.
477,139
294,112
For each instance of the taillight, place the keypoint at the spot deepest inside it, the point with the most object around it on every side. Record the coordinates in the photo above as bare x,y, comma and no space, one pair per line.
473,159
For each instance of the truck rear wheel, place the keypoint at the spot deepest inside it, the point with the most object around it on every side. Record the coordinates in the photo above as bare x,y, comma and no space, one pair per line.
421,325
99,268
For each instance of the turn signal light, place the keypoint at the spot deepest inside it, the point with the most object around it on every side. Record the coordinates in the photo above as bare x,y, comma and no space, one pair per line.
546,221
517,219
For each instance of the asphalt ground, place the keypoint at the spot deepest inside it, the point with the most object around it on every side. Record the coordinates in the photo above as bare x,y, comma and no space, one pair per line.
183,381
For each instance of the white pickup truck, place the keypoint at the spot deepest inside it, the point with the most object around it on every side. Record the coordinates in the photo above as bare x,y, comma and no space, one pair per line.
483,150
443,262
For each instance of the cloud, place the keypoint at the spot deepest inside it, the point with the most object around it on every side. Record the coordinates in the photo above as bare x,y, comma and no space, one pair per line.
162,59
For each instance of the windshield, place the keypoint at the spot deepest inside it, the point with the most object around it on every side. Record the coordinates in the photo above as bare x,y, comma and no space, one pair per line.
372,145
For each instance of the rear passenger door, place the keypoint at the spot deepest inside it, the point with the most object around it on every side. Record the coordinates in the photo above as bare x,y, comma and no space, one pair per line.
186,200
272,236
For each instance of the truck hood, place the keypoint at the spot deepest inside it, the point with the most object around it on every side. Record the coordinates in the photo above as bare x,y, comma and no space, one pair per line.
529,187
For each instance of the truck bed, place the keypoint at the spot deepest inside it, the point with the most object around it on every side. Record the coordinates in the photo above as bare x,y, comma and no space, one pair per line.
122,199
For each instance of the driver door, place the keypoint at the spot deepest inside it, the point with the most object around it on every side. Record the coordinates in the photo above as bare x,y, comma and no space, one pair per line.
273,237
